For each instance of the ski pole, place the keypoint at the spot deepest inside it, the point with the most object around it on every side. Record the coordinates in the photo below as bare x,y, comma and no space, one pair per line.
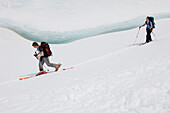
153,34
137,35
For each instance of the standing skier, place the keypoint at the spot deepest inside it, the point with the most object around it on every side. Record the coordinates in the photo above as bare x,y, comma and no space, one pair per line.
149,27
43,54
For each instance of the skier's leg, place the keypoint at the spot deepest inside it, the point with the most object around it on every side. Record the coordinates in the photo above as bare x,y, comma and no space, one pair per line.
147,35
41,63
150,35
46,60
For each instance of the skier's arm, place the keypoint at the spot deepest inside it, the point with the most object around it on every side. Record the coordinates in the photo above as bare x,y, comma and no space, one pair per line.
151,26
40,55
142,25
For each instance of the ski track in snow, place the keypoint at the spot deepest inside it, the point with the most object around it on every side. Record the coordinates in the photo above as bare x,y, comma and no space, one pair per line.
82,63
77,65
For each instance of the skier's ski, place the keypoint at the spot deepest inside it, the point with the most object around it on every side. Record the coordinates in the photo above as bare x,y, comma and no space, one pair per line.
35,75
68,68
142,44
26,77
137,44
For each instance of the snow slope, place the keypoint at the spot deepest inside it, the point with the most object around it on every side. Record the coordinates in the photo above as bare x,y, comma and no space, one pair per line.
110,75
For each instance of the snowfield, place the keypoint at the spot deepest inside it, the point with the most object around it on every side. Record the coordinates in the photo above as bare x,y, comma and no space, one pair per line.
110,75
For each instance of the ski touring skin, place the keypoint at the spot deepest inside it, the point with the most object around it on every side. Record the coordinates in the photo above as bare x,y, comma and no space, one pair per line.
35,75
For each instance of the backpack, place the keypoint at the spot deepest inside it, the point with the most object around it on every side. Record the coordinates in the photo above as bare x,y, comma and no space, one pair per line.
151,19
46,47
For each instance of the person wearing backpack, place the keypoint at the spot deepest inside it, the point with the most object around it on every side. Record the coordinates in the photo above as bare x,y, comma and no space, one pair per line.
149,27
43,53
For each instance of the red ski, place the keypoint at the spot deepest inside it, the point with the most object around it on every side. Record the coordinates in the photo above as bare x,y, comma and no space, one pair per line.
142,44
35,75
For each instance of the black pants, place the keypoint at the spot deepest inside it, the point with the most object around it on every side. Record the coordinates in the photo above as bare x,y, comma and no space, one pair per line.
148,36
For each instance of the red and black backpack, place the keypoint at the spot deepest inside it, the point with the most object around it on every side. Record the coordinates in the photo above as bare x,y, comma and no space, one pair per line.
46,47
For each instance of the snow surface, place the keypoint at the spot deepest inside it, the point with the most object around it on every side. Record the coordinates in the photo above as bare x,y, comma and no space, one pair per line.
110,75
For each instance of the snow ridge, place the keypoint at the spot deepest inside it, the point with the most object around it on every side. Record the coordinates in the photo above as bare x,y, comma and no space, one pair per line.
55,37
